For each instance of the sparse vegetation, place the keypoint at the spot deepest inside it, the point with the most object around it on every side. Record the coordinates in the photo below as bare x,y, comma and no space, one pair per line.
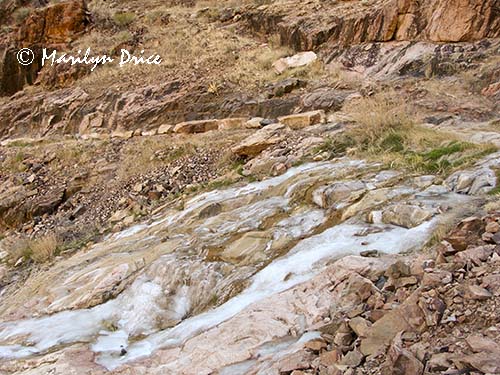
44,248
496,190
384,130
151,152
14,162
38,250
123,19
20,14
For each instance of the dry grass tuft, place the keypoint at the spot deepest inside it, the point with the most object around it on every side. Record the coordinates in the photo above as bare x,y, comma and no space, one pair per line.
493,205
44,248
39,250
378,117
384,130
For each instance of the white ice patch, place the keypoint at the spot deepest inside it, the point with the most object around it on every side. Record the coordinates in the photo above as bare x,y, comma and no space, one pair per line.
304,261
138,309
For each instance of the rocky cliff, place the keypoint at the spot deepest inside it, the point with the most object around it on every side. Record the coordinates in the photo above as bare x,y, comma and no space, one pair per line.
299,188
305,27
47,27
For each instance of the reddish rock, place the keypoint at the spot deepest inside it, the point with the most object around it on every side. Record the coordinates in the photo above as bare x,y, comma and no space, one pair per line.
477,293
401,361
330,358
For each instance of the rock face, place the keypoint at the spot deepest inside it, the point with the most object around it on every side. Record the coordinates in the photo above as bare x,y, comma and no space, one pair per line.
57,24
401,20
47,27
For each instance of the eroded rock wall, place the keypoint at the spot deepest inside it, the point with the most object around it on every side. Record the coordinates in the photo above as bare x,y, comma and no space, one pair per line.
401,20
45,27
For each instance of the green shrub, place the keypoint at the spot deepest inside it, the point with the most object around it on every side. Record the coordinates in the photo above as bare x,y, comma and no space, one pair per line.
21,14
123,19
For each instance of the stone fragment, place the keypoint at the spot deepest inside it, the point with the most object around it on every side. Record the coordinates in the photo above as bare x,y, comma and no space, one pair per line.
296,361
315,345
329,358
476,292
295,61
352,358
199,126
360,326
165,129
440,362
303,120
479,344
483,361
401,361
406,215
232,123
261,140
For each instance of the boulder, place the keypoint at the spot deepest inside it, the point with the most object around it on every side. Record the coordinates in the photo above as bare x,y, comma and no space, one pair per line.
199,126
254,123
165,129
260,140
149,133
303,120
249,248
295,61
492,227
406,215
338,192
324,98
122,134
401,361
232,123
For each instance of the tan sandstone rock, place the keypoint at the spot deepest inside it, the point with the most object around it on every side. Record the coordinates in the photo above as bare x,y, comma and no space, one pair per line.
261,140
295,61
199,126
232,123
303,120
165,129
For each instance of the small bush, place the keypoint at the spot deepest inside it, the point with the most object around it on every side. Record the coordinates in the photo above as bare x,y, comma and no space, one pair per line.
16,248
44,249
21,14
496,190
123,19
39,250
378,119
384,130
